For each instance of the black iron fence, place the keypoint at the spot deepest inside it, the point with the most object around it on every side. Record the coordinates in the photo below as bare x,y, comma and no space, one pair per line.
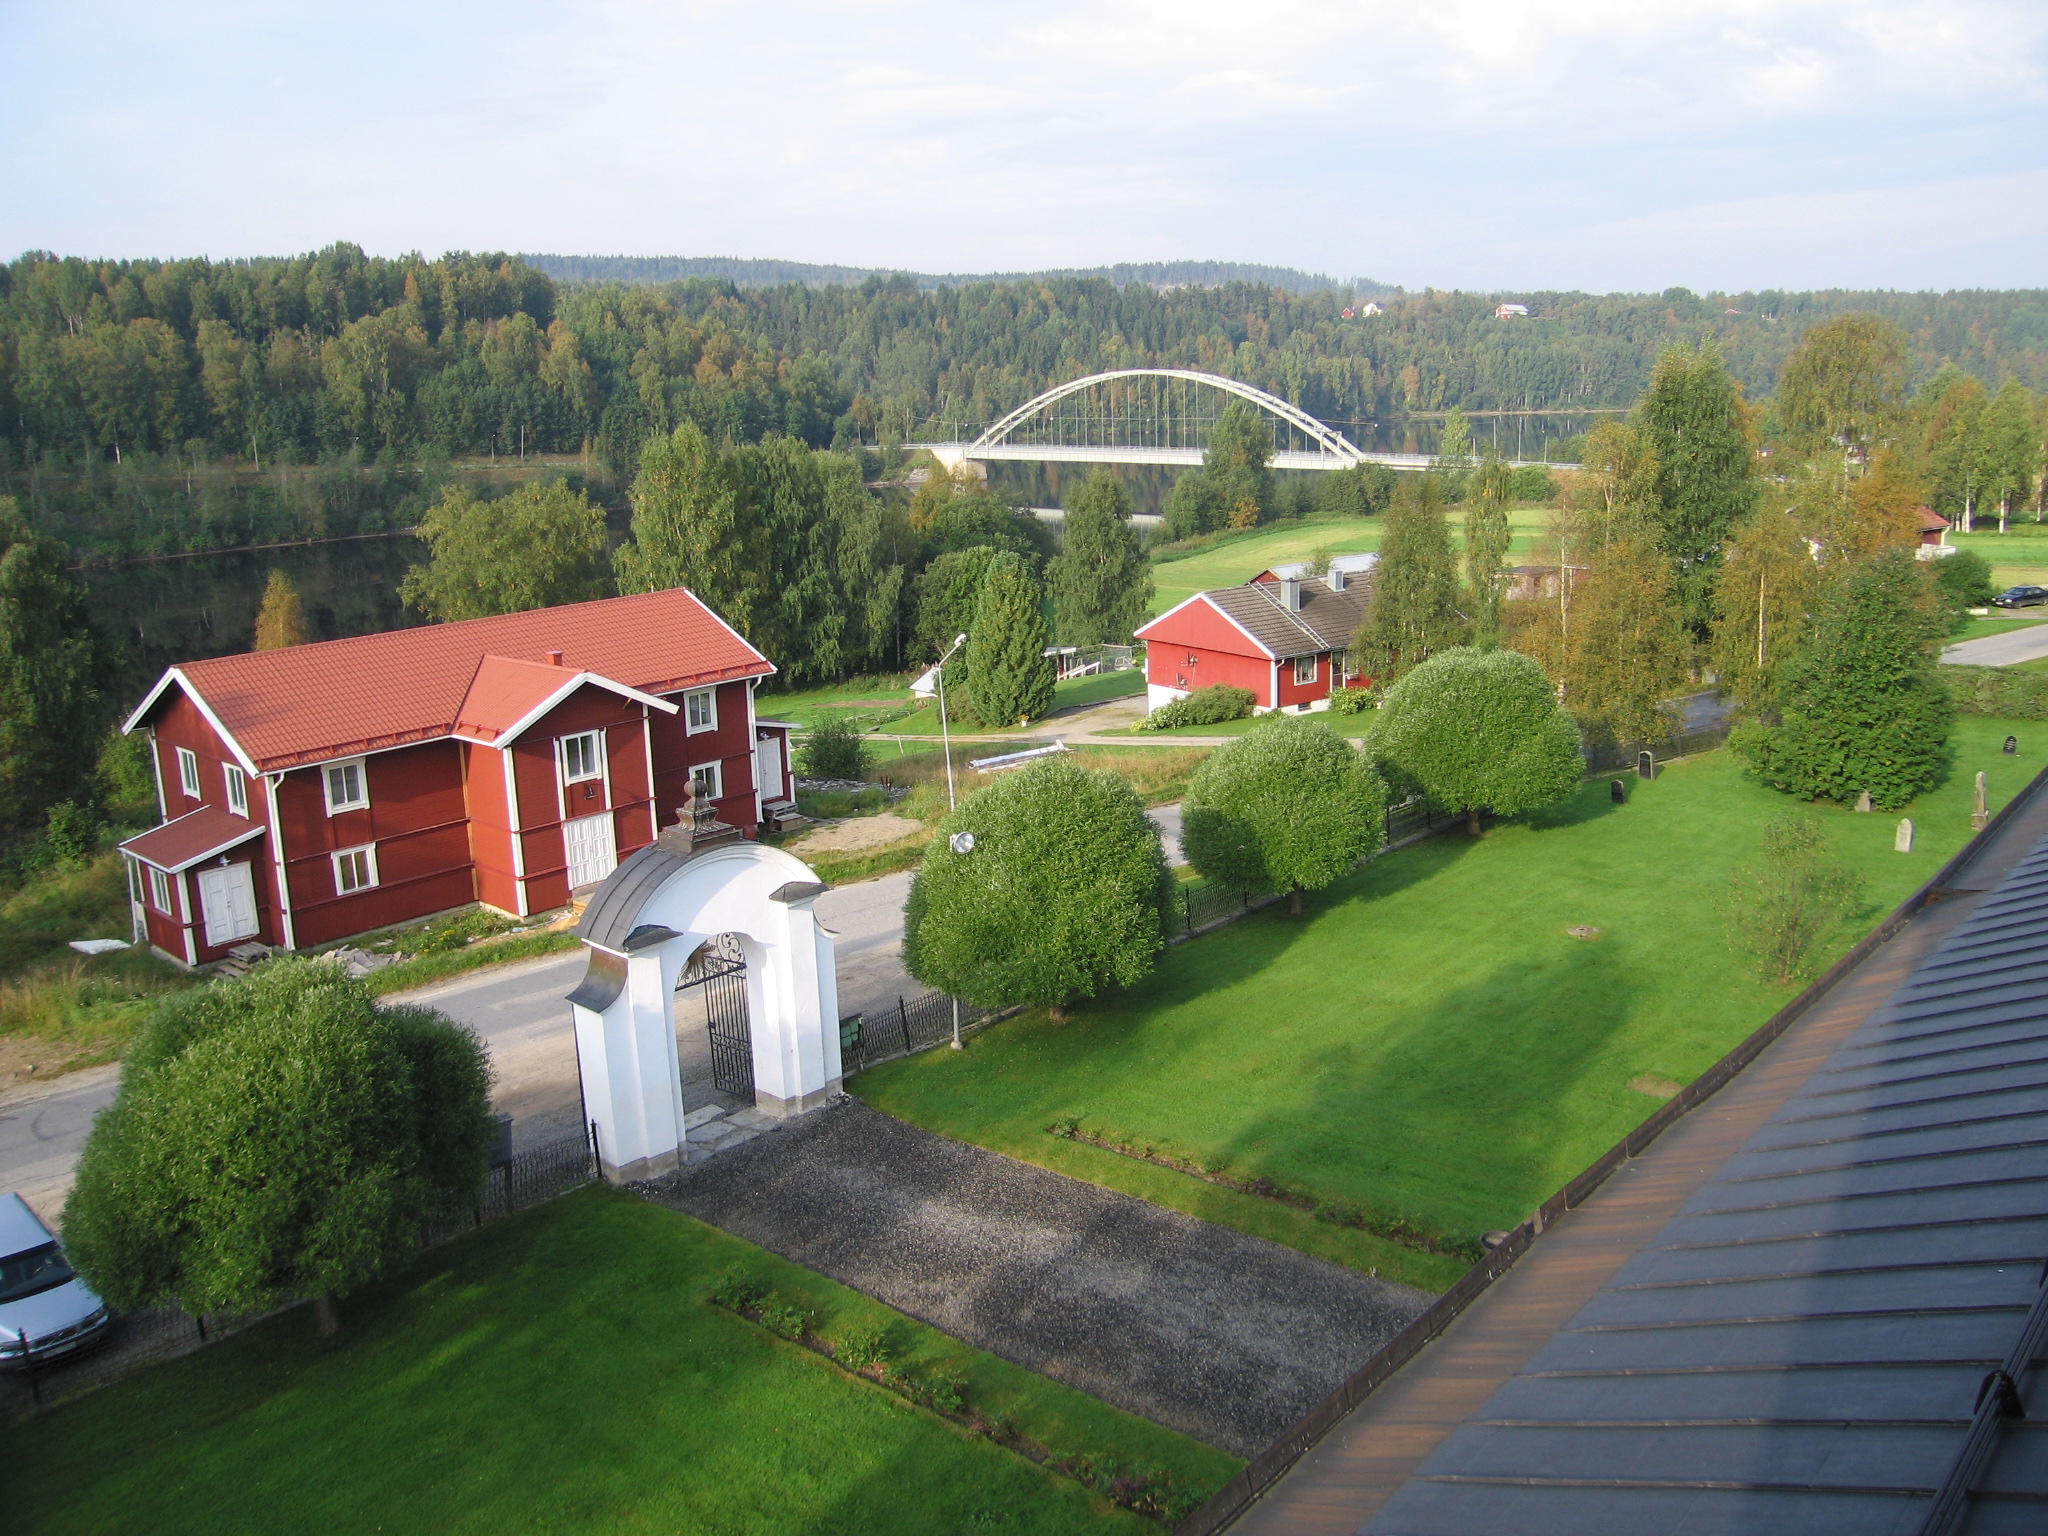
914,1024
1620,756
136,1339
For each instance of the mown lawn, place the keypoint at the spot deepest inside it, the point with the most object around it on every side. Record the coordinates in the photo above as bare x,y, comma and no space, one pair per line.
562,1371
2018,556
1235,560
1428,1042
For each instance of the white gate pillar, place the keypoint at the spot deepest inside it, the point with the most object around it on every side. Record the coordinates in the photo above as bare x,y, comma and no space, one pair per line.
796,1058
640,928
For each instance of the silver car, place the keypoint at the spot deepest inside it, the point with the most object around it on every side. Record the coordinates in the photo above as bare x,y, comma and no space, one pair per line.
41,1300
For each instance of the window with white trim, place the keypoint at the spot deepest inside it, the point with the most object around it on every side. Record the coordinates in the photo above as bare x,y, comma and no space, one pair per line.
700,711
582,757
1304,669
160,890
188,772
238,789
355,869
706,782
348,785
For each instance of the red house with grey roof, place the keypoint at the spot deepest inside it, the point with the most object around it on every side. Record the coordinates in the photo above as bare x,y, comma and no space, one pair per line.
1285,635
318,792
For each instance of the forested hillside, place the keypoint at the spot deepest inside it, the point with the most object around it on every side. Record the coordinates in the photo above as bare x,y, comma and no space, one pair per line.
744,272
194,368
340,351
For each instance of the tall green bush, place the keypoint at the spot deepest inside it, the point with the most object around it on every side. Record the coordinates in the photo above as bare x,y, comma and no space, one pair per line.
277,1137
1864,707
1063,892
834,750
1963,581
1290,807
1009,675
1781,907
1480,730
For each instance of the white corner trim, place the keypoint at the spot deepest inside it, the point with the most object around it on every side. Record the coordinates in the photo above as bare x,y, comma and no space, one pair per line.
287,932
175,675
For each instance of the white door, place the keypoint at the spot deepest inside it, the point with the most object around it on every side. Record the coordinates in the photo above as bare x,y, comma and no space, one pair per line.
227,897
593,852
768,768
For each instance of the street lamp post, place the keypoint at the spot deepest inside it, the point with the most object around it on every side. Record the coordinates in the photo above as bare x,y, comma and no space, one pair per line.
960,842
945,735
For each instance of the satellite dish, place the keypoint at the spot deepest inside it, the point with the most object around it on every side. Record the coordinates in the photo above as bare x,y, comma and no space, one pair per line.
961,842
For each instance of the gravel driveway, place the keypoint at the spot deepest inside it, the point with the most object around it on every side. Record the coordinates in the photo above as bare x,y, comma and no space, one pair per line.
1222,1336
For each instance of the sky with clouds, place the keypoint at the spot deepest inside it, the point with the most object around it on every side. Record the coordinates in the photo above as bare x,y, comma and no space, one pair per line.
1484,144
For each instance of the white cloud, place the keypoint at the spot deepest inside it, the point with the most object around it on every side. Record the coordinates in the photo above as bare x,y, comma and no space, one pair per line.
1425,143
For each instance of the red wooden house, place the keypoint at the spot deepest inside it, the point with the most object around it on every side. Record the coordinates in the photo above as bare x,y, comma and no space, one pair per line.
1284,635
321,791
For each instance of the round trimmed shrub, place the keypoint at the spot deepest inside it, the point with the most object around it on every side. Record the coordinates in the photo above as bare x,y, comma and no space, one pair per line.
1480,730
1290,807
1065,891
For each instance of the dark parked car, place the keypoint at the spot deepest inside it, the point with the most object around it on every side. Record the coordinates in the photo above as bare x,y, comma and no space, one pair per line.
2021,597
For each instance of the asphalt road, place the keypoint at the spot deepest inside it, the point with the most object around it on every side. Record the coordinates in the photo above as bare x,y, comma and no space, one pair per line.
520,1012
2027,642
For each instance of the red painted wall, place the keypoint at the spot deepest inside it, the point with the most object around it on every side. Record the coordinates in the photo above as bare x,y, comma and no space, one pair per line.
731,746
1222,654
1293,693
179,723
417,818
542,804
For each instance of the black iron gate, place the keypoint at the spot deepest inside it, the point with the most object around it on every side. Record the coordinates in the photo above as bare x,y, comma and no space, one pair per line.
717,976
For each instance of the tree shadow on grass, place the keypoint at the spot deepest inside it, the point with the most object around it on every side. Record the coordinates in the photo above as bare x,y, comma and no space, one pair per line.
1463,1113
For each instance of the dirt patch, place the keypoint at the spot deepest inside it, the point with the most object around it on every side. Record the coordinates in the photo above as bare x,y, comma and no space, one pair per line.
1655,1087
27,1059
855,834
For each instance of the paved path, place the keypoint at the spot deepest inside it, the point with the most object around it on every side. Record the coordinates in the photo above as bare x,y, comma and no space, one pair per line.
2023,642
1223,1336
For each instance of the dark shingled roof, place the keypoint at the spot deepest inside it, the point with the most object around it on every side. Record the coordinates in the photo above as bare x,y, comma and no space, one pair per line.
1811,1345
1326,620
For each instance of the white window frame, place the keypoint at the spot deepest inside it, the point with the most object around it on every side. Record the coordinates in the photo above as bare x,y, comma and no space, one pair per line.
238,789
708,699
367,852
714,773
362,800
1313,669
188,772
161,899
563,744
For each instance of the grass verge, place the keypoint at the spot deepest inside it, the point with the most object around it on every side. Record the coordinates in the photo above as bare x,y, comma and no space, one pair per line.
565,1371
1427,1044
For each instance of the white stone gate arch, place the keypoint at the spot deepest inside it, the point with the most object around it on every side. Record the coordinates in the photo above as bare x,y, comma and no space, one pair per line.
639,931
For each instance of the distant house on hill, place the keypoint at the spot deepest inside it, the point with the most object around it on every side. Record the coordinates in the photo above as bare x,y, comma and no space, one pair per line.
1511,312
317,792
1284,635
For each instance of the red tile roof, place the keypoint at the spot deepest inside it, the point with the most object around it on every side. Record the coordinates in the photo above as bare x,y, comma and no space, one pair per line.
506,695
311,703
194,836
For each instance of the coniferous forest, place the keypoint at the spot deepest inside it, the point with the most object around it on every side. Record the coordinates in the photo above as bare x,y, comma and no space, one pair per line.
341,356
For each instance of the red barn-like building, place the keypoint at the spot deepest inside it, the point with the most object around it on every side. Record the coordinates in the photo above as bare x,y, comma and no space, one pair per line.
321,791
1284,635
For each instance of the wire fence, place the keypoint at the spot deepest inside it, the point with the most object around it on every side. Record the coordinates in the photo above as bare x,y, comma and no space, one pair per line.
136,1339
1621,756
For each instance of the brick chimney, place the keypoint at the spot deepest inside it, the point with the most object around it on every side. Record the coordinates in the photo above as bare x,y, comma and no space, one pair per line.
554,658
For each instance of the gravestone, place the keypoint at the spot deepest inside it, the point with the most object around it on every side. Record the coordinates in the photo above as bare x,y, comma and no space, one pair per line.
1979,813
1616,793
1863,801
1646,765
2012,746
1903,843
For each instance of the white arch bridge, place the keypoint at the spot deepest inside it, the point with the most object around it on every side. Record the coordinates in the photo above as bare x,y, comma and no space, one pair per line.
1157,416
